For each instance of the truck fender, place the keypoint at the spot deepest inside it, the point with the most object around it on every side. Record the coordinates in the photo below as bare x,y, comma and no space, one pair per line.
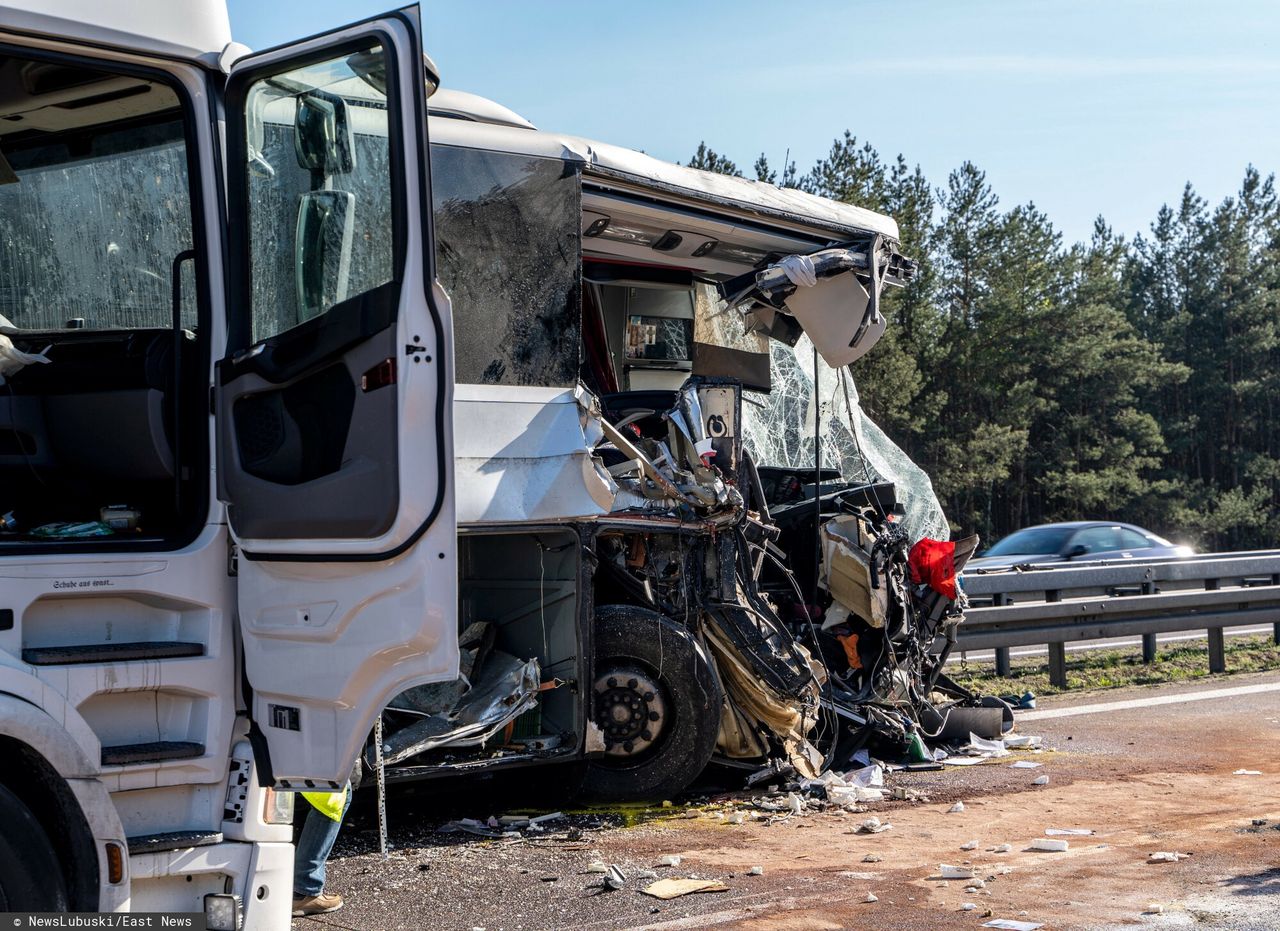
23,721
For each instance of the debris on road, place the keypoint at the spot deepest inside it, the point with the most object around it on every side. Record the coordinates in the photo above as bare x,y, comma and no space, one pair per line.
969,845
1069,832
1040,781
1247,772
947,871
756,871
1167,856
956,808
1046,845
674,888
1008,924
869,898
1025,764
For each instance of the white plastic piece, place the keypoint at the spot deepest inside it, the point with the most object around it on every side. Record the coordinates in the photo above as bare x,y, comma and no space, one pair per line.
756,871
670,859
1238,772
874,826
1021,742
870,897
957,807
1002,848
1049,846
795,803
947,871
1153,908
967,907
1025,764
1008,924
969,845
1166,856
1067,832
1040,781
597,866
736,818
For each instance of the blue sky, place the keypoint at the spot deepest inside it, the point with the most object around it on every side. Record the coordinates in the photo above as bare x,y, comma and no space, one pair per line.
1083,107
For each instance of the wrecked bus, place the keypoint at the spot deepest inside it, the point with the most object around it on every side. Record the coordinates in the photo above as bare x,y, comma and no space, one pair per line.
651,381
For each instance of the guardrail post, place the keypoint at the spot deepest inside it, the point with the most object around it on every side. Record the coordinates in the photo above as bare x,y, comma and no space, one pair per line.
1002,659
1275,634
1149,648
1058,664
1217,650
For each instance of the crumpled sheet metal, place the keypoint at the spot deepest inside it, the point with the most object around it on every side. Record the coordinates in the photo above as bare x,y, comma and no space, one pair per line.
525,454
778,431
748,701
506,688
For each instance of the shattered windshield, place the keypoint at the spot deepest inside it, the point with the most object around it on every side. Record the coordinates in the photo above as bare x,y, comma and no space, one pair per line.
778,431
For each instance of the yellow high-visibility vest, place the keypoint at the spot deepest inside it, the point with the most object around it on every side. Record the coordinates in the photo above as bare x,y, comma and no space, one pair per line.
329,804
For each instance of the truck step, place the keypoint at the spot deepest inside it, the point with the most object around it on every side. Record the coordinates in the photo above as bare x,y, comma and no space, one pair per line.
172,840
110,652
155,751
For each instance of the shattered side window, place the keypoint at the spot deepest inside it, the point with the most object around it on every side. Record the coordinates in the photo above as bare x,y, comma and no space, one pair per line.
509,254
778,431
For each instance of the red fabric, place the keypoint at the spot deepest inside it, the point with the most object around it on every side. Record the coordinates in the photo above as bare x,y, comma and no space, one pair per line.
933,563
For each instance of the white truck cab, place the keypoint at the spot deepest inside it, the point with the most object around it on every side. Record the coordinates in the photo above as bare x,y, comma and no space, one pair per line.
227,396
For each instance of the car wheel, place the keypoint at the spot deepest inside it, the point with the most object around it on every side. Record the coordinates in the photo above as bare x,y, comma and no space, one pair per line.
656,698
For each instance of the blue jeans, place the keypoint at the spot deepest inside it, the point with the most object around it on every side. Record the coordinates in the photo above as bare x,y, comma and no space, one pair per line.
315,843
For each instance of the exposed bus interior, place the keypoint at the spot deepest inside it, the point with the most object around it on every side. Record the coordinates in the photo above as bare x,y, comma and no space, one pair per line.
104,371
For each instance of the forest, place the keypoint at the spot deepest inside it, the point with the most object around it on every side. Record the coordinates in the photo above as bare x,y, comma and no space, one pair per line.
1037,380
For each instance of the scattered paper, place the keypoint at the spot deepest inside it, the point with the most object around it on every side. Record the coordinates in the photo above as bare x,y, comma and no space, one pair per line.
873,826
674,888
1009,925
964,760
1166,856
989,747
1025,764
1021,742
1081,832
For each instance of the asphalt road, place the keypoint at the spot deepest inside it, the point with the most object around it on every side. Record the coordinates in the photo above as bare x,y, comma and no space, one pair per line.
1145,770
988,656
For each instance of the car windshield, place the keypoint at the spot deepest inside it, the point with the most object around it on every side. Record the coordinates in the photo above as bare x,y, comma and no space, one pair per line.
1032,541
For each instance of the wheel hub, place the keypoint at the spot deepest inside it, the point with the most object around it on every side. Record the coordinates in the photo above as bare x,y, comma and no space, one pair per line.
630,709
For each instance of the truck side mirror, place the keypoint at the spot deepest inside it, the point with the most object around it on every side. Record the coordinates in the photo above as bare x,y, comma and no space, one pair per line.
323,138
322,250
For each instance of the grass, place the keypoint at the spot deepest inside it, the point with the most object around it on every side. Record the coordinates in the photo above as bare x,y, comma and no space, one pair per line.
1186,661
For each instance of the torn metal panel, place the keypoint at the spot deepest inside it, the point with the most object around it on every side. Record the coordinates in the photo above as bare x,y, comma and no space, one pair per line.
525,454
507,687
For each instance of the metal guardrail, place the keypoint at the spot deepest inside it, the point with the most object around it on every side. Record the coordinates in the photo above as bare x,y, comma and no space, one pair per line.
1064,602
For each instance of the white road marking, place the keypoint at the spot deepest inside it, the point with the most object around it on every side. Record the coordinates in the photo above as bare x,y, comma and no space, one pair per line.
1151,702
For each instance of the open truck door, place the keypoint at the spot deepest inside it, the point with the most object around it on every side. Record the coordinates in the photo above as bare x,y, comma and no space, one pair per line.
334,401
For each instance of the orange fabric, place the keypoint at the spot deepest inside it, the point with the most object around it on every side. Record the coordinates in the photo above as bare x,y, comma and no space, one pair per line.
850,644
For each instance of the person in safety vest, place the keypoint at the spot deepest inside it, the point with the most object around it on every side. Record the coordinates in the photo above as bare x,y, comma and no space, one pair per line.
324,816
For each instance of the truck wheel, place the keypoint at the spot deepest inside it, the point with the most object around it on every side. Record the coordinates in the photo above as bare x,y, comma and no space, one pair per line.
30,877
657,700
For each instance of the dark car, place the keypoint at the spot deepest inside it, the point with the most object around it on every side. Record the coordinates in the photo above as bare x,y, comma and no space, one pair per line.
1086,540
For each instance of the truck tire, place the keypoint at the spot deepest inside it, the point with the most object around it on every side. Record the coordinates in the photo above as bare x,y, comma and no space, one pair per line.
30,878
656,697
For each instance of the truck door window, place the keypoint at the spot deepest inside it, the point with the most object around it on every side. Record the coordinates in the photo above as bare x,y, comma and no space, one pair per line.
321,204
